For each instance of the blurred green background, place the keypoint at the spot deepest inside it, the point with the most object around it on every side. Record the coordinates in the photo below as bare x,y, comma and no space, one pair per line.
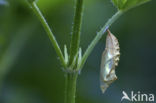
30,71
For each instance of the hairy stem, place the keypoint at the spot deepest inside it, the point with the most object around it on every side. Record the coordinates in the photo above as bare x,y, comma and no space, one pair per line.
70,88
49,32
99,36
75,40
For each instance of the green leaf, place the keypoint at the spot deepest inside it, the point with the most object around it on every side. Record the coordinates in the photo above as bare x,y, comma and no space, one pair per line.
128,4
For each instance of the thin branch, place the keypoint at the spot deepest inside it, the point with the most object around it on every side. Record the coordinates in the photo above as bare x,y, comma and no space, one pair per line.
51,36
75,40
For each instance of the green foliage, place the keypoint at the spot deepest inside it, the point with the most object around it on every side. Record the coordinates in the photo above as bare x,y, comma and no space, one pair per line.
125,5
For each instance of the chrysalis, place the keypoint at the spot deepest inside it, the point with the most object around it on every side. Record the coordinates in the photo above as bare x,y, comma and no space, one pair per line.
110,59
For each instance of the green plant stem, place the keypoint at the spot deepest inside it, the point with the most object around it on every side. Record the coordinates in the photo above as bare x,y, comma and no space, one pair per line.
75,40
70,87
99,36
49,32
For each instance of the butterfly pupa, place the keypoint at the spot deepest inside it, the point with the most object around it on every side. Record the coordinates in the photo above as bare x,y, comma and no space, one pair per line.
110,59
